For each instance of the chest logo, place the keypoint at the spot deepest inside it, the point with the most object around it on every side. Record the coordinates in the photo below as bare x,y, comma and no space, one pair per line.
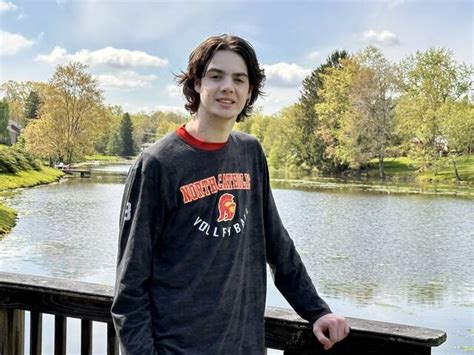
227,207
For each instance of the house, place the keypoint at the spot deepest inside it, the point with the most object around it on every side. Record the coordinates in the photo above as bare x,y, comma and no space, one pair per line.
14,129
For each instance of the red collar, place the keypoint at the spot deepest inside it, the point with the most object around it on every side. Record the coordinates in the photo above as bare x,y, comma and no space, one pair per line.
197,143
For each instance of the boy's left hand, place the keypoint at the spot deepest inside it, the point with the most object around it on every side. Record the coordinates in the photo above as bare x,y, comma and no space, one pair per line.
329,329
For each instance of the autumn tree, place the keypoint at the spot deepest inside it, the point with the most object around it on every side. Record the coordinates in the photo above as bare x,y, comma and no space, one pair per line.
368,124
68,121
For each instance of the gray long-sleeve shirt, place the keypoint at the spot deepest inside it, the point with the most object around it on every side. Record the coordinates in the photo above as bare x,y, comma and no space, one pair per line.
197,229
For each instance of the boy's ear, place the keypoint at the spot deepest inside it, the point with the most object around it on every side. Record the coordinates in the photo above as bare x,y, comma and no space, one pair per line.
197,86
250,93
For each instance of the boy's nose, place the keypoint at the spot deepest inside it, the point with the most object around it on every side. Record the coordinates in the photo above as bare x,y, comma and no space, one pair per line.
227,85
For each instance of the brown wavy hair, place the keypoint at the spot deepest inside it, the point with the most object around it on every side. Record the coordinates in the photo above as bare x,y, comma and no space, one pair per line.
199,60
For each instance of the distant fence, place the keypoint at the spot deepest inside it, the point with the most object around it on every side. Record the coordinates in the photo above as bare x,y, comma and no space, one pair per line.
284,330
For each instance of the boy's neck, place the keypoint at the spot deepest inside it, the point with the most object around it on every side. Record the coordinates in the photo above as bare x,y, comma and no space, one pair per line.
212,131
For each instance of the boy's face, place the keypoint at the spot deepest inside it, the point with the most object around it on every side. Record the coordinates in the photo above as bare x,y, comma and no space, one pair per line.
224,87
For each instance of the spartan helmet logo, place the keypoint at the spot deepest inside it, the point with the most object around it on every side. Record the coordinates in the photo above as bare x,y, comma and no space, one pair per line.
227,208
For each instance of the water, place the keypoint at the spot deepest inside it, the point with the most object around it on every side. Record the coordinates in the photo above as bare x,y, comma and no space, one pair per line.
404,259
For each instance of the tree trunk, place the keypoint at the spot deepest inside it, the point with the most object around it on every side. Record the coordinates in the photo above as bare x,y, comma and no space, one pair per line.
381,172
458,178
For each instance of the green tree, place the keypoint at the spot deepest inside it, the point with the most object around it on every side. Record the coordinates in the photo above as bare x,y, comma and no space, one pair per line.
309,146
69,119
108,125
16,93
114,144
457,125
126,136
332,109
4,117
32,105
428,81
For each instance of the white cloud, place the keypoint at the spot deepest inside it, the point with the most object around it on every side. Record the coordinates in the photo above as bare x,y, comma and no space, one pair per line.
125,79
173,90
166,108
395,3
314,55
384,38
284,74
278,98
105,56
12,43
7,6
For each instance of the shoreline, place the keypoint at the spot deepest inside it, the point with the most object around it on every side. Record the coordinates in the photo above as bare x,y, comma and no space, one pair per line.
20,180
388,187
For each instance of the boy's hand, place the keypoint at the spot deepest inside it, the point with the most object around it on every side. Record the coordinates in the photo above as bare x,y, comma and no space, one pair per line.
329,329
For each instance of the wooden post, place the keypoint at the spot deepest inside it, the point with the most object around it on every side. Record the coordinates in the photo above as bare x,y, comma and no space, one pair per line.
60,330
36,332
17,326
112,343
3,331
86,337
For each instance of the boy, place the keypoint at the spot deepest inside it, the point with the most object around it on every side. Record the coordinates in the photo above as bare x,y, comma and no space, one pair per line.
199,224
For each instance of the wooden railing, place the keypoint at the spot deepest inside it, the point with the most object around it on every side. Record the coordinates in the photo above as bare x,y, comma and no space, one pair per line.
284,330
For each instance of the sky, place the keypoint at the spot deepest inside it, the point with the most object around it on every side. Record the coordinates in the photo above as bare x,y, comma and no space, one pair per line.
134,48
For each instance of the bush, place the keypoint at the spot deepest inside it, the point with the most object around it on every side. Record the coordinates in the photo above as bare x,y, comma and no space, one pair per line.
7,161
13,160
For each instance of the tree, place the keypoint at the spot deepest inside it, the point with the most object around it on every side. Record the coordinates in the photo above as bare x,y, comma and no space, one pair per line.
457,125
310,148
68,122
368,124
428,81
334,103
108,125
4,117
16,94
114,145
32,105
126,136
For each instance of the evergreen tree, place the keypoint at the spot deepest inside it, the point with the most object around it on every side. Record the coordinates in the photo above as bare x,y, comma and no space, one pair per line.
4,117
126,136
309,146
32,105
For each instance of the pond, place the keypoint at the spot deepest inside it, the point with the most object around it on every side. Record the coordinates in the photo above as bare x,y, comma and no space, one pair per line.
396,258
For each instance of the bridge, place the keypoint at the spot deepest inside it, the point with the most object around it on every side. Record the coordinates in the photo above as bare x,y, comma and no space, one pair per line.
284,330
85,173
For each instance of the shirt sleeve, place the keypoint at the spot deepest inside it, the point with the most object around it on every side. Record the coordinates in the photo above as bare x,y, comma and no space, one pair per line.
288,271
140,224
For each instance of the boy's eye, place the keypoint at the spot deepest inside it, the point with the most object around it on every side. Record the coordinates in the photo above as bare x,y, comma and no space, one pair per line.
215,77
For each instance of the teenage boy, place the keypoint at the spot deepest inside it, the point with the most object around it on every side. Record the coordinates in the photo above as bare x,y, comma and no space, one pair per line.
199,225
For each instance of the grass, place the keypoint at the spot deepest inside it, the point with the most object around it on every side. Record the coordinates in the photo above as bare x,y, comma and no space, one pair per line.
402,177
7,219
29,178
24,178
104,158
404,168
445,171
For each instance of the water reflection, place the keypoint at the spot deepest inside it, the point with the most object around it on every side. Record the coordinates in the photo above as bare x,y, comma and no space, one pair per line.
365,247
